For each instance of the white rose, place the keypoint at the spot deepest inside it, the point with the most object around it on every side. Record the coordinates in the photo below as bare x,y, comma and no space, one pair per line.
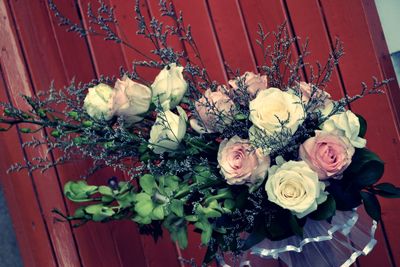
131,100
294,186
169,87
168,131
98,102
272,106
348,125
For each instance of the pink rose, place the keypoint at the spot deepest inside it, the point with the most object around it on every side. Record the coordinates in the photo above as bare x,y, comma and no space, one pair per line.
254,83
327,154
131,100
240,162
214,110
325,107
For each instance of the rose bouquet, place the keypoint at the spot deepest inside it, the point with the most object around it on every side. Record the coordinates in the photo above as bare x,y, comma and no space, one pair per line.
252,164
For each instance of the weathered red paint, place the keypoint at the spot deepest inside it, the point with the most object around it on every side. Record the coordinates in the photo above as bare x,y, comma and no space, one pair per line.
36,51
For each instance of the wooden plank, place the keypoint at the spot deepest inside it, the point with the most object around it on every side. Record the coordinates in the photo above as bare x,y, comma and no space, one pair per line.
167,251
72,49
22,201
270,15
230,29
125,15
19,187
382,54
95,243
153,8
121,243
196,14
123,57
346,19
308,22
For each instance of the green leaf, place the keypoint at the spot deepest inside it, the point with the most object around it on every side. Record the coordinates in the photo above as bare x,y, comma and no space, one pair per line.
25,130
105,190
325,210
177,207
142,197
148,183
345,198
125,200
41,113
79,191
371,204
256,236
142,220
229,204
221,194
55,133
211,213
99,212
294,225
106,199
191,218
145,157
93,209
158,213
181,237
79,212
389,189
87,123
143,148
144,207
73,114
206,235
172,182
202,174
363,126
365,170
240,117
211,252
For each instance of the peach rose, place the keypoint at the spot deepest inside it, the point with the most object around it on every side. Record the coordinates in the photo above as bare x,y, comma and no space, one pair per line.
214,110
254,83
131,100
241,163
328,154
306,91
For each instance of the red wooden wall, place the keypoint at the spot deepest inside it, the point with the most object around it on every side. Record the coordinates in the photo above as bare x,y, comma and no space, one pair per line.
35,51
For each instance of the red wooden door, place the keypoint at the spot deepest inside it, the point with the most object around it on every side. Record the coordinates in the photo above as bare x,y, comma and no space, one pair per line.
35,51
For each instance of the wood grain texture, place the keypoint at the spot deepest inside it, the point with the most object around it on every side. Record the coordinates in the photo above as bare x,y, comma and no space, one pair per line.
38,51
344,19
33,227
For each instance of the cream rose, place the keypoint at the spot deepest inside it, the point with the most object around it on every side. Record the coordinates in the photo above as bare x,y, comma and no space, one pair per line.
254,83
169,87
327,154
168,131
272,106
98,102
294,186
241,163
215,110
346,124
131,100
